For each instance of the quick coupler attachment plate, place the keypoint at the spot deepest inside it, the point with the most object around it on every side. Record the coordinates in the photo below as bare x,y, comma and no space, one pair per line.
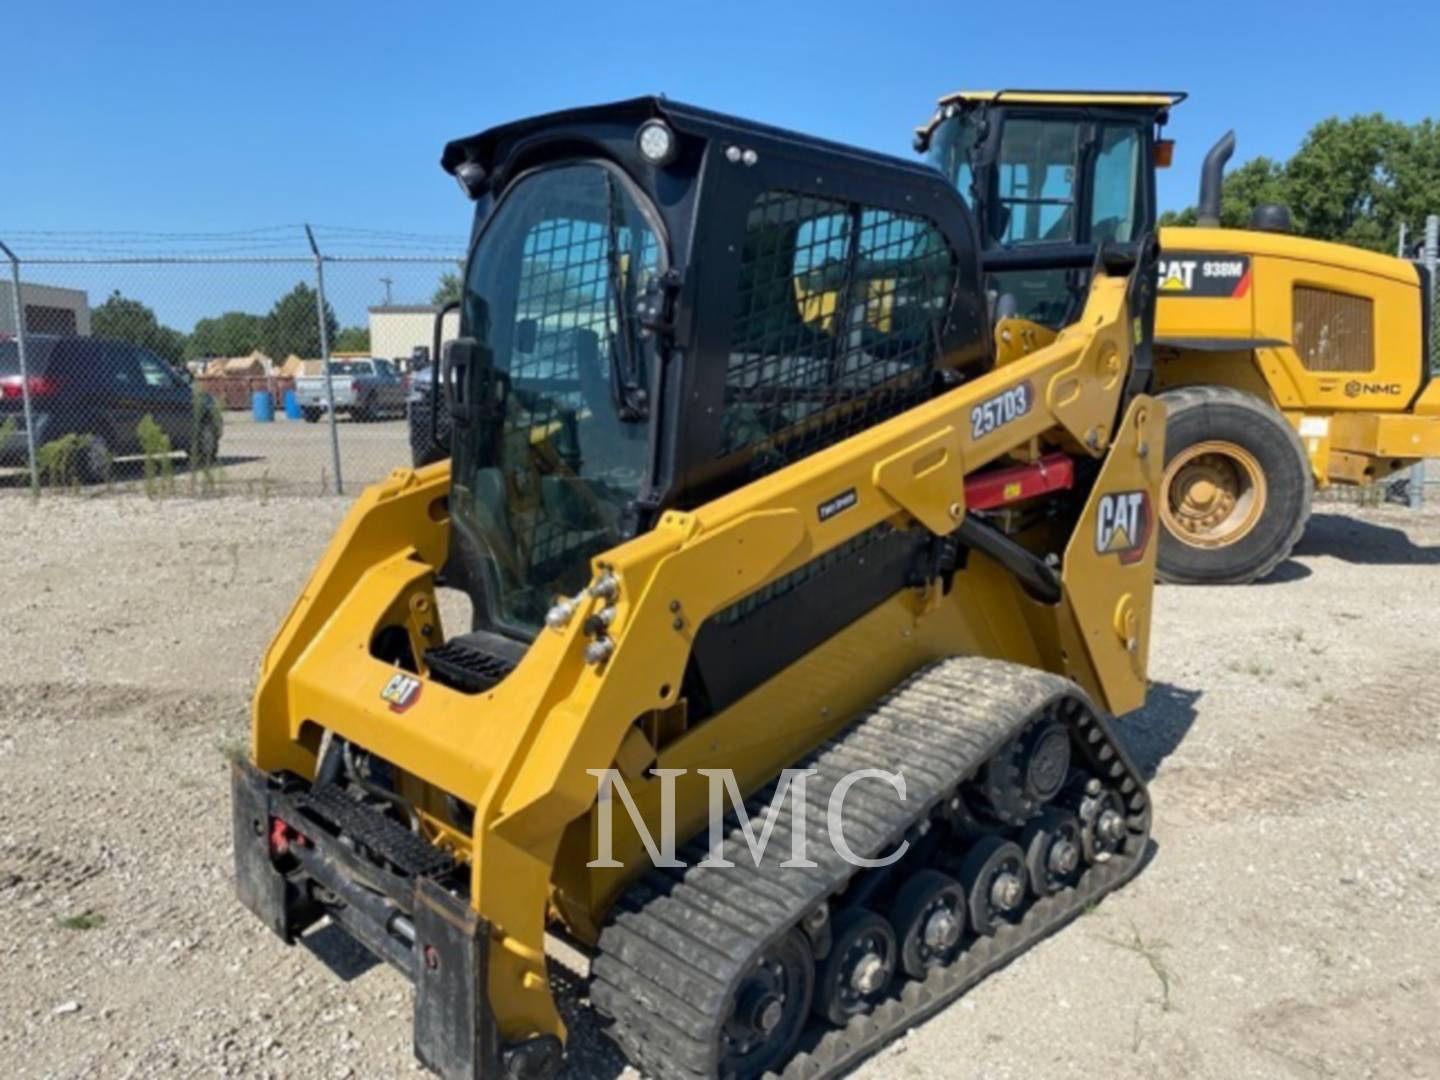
295,863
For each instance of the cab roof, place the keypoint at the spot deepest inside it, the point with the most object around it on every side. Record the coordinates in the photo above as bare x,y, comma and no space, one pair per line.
1148,99
1159,102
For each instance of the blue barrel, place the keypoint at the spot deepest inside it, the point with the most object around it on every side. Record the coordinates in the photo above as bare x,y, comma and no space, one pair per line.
292,406
262,406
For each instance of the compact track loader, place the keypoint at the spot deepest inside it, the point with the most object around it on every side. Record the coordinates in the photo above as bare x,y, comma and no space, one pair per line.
761,538
1285,363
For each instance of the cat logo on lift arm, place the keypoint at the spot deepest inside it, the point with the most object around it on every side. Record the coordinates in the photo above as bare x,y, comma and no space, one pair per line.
1123,524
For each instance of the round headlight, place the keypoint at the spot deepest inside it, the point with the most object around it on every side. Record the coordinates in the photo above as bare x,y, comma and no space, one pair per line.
657,142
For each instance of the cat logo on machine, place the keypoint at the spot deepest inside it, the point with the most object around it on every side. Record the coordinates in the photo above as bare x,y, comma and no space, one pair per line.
401,692
1122,525
1204,274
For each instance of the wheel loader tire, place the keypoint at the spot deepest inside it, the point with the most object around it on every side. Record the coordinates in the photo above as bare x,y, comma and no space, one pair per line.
1237,488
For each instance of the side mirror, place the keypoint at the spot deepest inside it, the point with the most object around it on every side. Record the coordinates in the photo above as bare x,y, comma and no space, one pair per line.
437,357
459,358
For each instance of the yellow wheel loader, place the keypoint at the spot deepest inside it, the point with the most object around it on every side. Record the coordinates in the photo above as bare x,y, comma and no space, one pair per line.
798,619
1285,363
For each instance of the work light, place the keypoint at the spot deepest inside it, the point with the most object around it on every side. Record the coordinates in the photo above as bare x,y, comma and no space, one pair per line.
656,142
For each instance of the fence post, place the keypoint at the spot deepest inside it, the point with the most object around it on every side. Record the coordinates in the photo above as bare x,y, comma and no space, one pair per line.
1432,257
325,357
19,305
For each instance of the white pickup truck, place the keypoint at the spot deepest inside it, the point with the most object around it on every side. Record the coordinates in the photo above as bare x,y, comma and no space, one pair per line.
364,390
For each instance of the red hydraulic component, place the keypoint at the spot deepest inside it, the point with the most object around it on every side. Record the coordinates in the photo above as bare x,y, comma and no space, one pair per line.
987,490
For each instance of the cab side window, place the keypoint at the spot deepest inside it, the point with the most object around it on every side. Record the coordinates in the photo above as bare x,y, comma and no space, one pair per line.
1114,207
1036,181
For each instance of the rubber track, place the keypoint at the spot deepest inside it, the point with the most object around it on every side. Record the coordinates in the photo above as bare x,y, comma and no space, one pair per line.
679,940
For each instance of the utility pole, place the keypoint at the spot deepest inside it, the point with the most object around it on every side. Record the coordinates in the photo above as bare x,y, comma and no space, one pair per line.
387,282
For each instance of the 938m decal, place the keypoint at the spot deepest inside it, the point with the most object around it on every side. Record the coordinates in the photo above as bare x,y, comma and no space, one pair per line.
1004,407
1204,274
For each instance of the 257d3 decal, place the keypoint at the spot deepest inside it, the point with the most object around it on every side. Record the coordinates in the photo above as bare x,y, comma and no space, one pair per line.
999,410
1123,525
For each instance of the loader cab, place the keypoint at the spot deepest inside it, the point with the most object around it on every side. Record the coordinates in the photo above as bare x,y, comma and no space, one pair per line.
1051,177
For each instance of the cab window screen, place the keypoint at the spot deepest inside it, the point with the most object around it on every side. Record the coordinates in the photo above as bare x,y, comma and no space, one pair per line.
841,311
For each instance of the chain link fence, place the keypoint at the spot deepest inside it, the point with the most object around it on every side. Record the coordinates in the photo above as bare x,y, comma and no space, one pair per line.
273,362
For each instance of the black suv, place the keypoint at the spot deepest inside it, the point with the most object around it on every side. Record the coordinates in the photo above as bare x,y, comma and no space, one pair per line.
101,391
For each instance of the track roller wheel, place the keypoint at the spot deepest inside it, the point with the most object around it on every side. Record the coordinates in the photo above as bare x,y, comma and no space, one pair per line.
1054,852
862,961
769,1009
993,874
929,917
1102,822
1028,772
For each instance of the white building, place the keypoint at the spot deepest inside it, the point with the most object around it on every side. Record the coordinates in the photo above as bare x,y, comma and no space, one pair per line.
397,331
49,309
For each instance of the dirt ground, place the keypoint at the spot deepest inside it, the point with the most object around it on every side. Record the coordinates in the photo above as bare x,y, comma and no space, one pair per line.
1287,926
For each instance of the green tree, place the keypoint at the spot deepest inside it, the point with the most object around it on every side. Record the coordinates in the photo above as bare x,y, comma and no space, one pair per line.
122,319
291,327
449,289
235,333
1353,181
352,339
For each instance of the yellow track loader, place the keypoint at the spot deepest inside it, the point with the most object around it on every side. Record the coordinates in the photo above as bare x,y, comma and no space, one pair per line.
1285,363
798,619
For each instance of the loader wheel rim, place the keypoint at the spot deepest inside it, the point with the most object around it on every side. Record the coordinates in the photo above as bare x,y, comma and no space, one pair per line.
1215,493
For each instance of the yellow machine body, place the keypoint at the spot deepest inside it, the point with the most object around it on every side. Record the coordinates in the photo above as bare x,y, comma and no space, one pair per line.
521,754
1331,336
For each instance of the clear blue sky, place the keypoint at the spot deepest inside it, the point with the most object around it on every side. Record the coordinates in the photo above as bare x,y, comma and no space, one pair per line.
215,116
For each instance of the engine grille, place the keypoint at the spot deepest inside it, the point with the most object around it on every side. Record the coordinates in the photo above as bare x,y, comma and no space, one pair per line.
1334,331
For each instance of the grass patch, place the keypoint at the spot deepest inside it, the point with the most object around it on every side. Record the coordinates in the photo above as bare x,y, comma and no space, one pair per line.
1152,952
1253,668
89,920
159,469
58,461
233,747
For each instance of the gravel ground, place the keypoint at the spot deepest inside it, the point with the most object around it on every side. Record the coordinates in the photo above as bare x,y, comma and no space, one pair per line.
1287,926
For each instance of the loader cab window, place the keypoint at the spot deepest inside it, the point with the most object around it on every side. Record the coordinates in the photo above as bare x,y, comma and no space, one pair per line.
543,476
951,150
1115,198
1036,182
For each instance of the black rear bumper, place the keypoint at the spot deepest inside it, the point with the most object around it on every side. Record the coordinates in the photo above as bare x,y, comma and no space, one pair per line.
292,868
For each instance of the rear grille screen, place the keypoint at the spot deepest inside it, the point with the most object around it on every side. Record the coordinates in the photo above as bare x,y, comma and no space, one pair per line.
842,309
1334,331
